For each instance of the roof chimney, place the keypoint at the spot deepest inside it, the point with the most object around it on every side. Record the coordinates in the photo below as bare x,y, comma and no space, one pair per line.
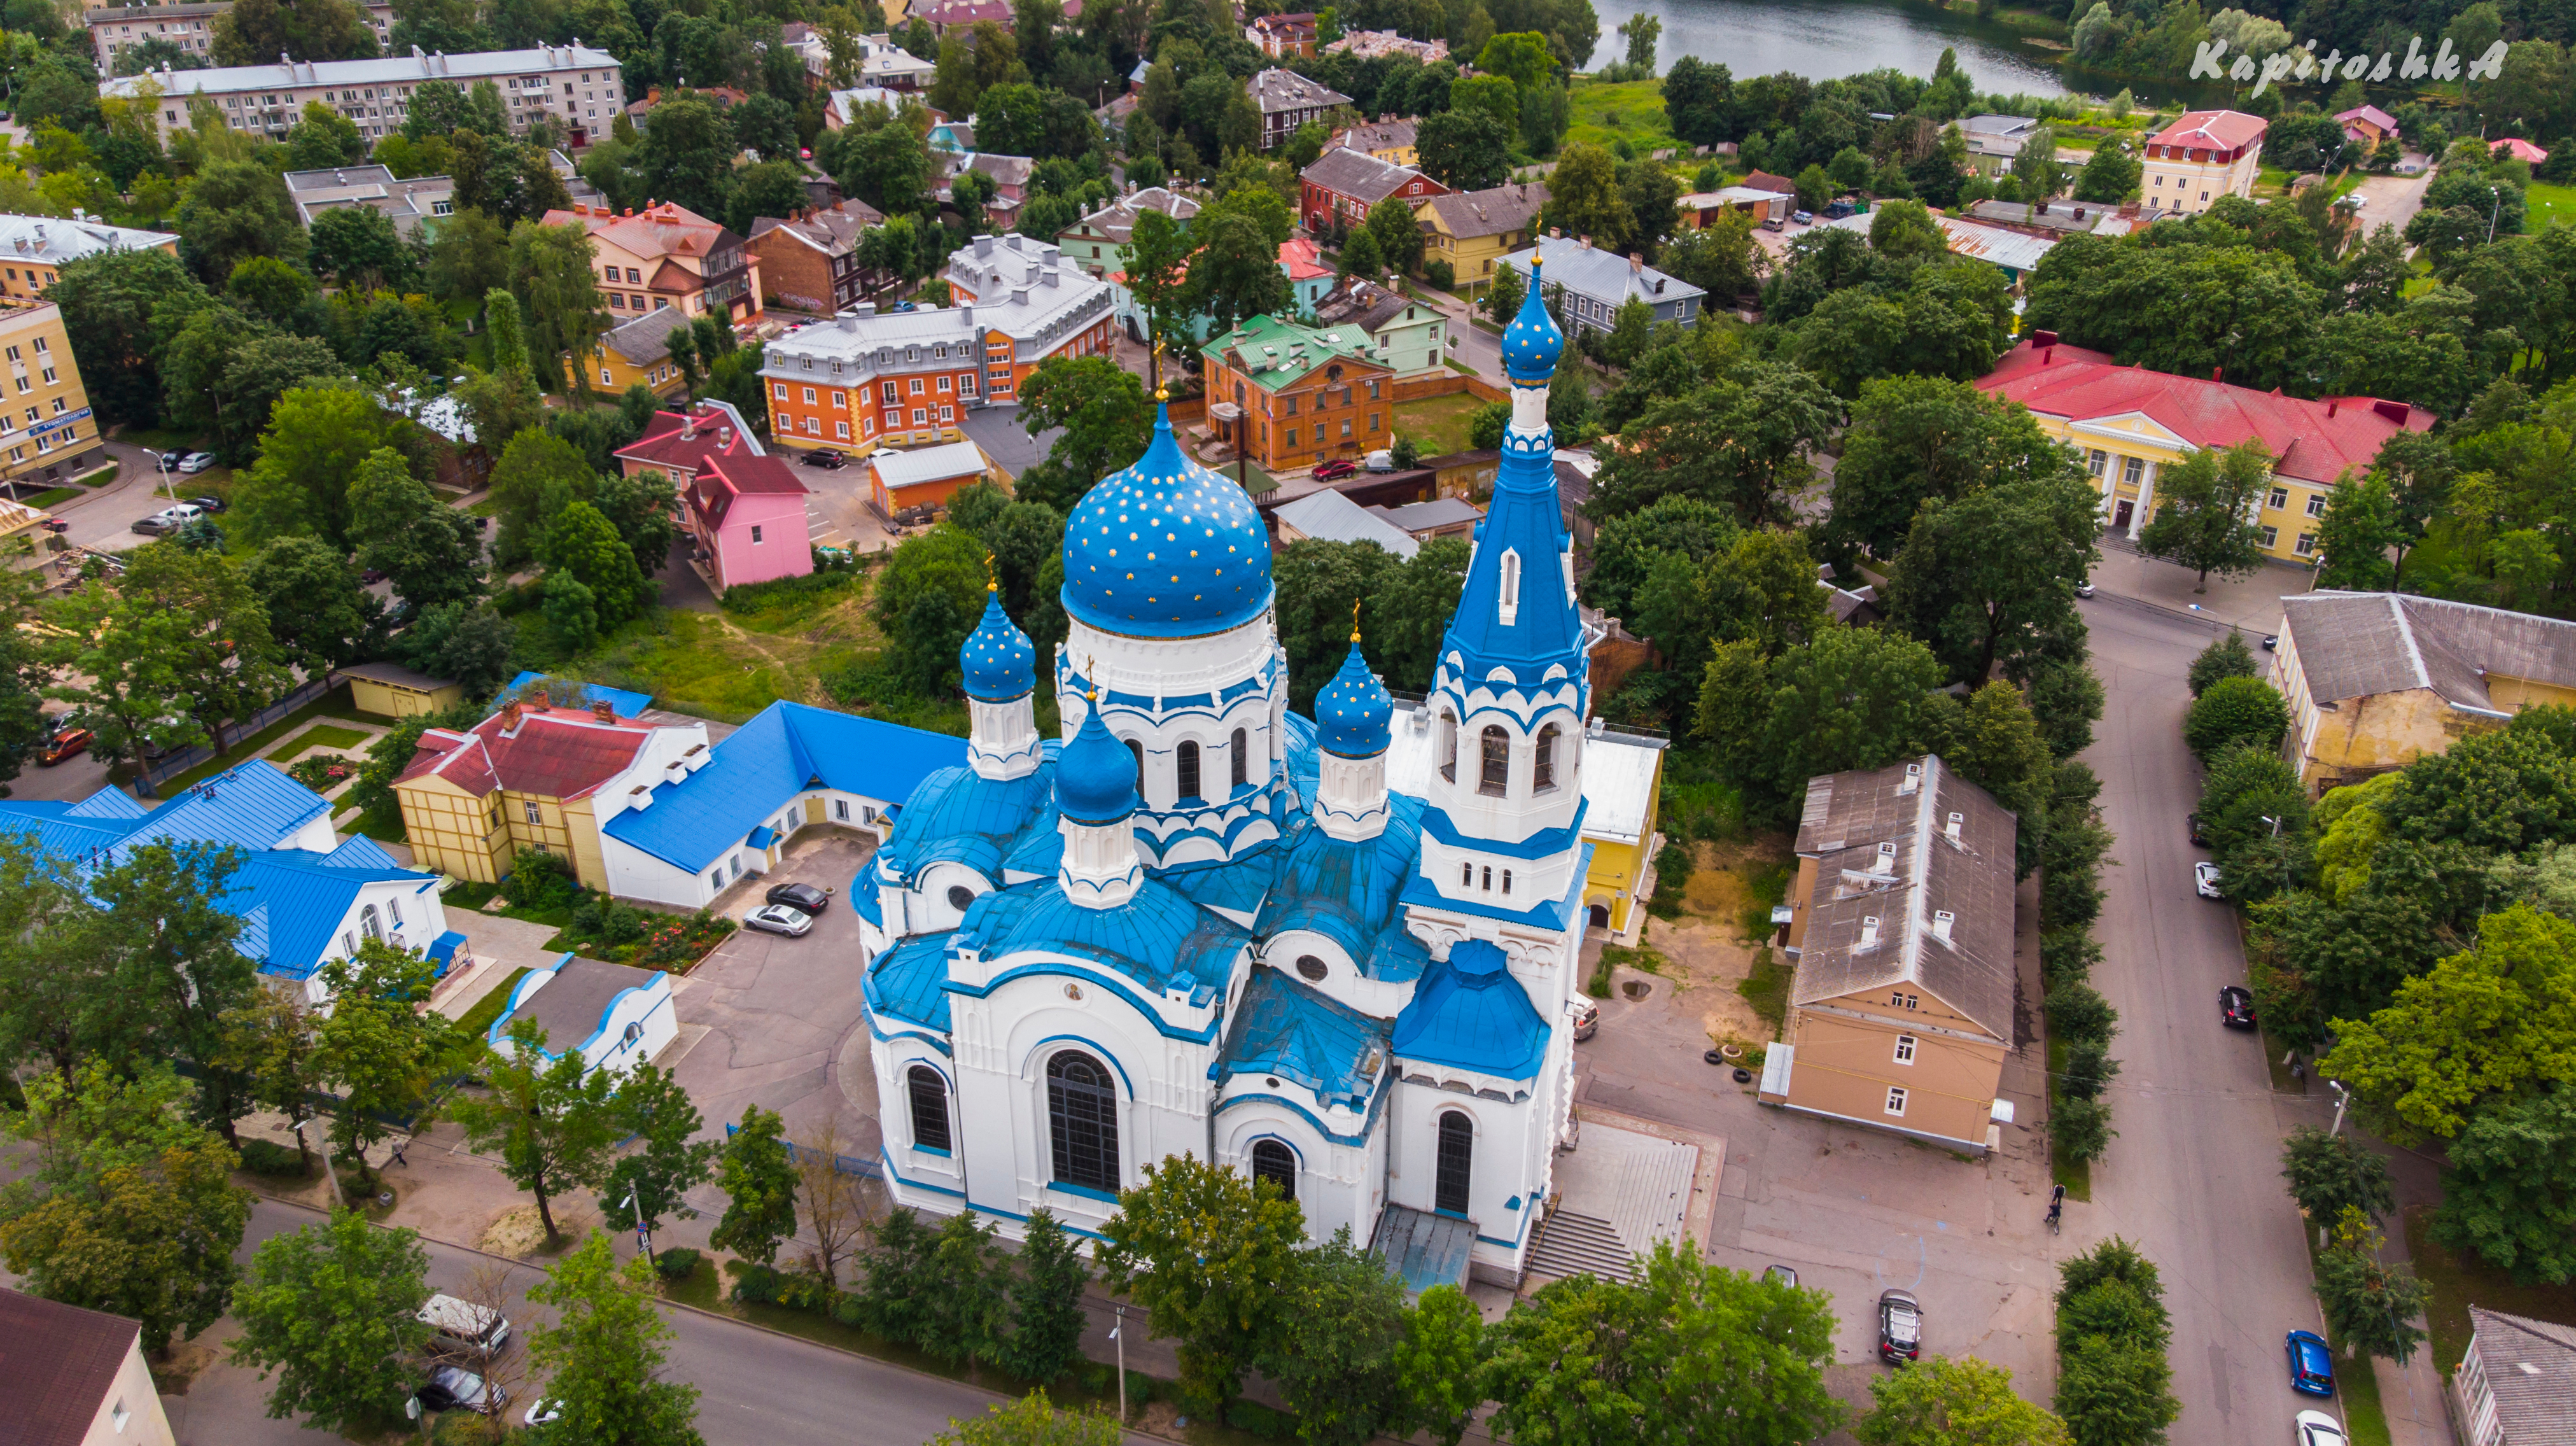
724,439
2333,405
1913,771
1868,933
2218,374
511,713
603,710
1636,263
1583,241
1885,863
688,426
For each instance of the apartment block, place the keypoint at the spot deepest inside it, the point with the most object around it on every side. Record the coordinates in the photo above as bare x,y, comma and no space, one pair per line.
34,249
667,255
2201,157
189,27
46,431
577,84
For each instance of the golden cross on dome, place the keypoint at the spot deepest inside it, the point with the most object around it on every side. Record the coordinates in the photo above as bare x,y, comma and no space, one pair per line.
992,580
1355,620
1162,389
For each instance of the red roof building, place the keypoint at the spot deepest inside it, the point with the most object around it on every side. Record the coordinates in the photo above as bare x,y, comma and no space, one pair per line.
744,509
2522,150
2203,156
2131,423
667,255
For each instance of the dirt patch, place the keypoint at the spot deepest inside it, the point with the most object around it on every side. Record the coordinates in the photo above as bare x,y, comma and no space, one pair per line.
1706,962
173,1376
519,1234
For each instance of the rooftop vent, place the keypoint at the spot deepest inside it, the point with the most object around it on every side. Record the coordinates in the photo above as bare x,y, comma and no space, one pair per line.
1942,920
1951,830
1868,933
1886,860
1913,780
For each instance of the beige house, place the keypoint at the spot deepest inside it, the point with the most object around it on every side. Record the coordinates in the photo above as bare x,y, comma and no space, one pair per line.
1901,923
75,1377
2375,680
2202,156
535,777
390,690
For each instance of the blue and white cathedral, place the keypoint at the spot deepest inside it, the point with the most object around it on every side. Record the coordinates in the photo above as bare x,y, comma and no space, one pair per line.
1200,924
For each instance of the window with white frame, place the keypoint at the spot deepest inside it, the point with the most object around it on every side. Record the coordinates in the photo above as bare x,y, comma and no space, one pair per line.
2271,537
1905,1049
2306,544
1896,1100
2133,470
2316,504
2280,498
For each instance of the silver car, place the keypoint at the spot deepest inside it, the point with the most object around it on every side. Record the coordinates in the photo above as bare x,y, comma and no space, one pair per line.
779,919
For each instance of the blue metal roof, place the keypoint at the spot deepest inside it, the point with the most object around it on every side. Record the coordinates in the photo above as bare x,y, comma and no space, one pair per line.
1283,1028
784,750
763,836
1239,883
1470,1013
443,948
957,815
1166,548
251,805
1095,779
1158,937
300,896
1347,891
1353,710
627,703
998,662
906,982
1532,344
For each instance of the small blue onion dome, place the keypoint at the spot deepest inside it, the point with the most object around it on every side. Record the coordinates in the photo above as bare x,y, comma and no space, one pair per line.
1531,344
1166,548
999,661
1095,776
1353,710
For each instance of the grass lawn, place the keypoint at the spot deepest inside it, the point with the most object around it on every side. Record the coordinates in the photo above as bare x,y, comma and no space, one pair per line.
158,439
2549,204
324,736
1630,110
716,665
2459,1282
478,1020
53,498
1766,988
2075,1175
330,704
379,827
1438,425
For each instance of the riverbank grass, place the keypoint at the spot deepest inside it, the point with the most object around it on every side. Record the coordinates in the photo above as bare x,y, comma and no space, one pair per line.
1629,110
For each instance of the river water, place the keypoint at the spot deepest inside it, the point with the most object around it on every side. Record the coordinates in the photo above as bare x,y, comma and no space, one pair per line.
1822,39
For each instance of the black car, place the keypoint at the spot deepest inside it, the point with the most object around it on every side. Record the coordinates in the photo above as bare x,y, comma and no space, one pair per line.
1900,1327
2271,642
452,1388
2236,1006
803,897
171,459
2198,838
211,504
824,457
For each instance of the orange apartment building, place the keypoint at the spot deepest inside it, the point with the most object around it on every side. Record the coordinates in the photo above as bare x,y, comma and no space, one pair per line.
1289,396
667,255
867,378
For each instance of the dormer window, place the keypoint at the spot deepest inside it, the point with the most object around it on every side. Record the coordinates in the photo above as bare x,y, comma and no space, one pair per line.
1511,587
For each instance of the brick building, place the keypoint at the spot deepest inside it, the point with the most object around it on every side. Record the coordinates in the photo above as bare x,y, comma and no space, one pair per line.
667,255
810,261
1289,396
1345,183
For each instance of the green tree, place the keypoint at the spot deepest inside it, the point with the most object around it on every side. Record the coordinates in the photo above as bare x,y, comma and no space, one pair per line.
650,1182
1989,578
1438,1364
1361,257
1947,1402
1852,698
2226,658
1337,1357
269,288
462,640
759,1180
2111,176
1399,236
1741,440
120,666
927,600
2330,1174
359,246
967,1319
333,1311
537,475
552,1119
1584,198
1206,1252
270,1042
109,301
1912,439
427,550
2200,520
2235,710
1101,415
558,289
318,613
2358,533
323,138
604,1354
1236,272
584,545
2035,165
2510,1194
1046,1302
316,440
2113,1392
132,1209
2370,1306
1033,1421
1465,150
235,210
384,1054
1688,1351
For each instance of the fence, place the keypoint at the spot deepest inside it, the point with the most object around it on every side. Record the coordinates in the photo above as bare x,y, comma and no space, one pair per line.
842,1164
171,764
1448,384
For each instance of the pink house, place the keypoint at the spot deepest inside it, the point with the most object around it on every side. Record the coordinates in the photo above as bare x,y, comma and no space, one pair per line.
2522,150
744,510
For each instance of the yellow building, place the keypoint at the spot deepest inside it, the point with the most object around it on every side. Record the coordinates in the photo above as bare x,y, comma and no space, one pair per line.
1901,923
390,690
2130,424
2376,680
1389,140
34,249
2201,157
46,431
532,777
1474,230
639,350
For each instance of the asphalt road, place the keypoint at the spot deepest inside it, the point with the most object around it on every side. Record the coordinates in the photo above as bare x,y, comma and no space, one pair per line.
759,1389
2194,1176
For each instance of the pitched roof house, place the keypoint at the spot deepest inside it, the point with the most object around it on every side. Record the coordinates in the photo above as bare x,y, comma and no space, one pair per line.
1280,36
810,260
1597,282
532,776
668,255
76,1377
1288,100
1345,183
615,1016
2375,680
2516,1385
1473,230
2367,125
1407,333
1391,139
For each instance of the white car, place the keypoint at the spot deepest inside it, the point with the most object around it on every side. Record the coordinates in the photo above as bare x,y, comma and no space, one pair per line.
2204,880
779,919
196,462
169,519
545,1411
2316,1428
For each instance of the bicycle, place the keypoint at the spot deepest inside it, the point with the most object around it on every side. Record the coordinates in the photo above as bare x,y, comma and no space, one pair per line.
2056,1208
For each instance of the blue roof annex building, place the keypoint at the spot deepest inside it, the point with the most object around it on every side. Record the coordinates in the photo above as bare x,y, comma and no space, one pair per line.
1199,923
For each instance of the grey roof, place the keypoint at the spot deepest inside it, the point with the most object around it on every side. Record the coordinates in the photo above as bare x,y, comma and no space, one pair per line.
2052,215
1887,868
1390,134
396,674
2355,644
1419,517
1496,212
1117,221
1364,304
53,240
1358,175
1277,90
391,70
2530,1366
407,203
898,469
1996,135
1332,517
572,1005
1604,276
2004,248
646,339
833,230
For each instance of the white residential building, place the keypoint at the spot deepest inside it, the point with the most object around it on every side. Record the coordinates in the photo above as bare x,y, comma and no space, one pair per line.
574,82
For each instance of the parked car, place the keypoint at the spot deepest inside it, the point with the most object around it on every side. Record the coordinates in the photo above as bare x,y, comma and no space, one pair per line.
1803,218
1339,467
825,458
196,462
779,919
2085,589
2236,1006
171,459
1782,1274
1381,460
800,896
2204,880
169,520
454,1388
209,504
903,306
1587,1017
462,1328
2316,1428
2198,838
69,743
2311,1364
1900,1327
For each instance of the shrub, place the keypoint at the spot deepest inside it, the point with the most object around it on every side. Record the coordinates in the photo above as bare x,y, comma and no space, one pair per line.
787,593
802,1290
2067,956
2078,1014
2226,658
2233,711
1261,1421
756,1284
322,772
1440,274
2089,1068
677,1263
264,1157
540,880
2070,898
2080,1129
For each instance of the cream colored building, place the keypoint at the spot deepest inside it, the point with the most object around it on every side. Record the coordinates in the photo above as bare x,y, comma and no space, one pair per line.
2376,680
46,431
75,1377
1901,923
2202,156
535,777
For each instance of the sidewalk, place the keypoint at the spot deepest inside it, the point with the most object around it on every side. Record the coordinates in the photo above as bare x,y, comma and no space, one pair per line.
2252,603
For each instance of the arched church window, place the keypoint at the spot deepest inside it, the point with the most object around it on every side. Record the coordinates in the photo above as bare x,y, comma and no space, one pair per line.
1189,769
1497,765
1242,760
1082,1121
1276,1163
1448,745
1511,581
1457,1159
1466,876
368,921
959,897
929,1097
1543,767
1136,751
1507,881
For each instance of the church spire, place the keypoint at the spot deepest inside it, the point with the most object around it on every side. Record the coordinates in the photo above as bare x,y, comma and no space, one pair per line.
1095,793
998,667
1352,713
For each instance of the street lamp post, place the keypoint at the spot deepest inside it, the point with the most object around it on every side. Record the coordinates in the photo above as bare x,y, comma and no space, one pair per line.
2494,211
338,1192
643,1232
1118,1333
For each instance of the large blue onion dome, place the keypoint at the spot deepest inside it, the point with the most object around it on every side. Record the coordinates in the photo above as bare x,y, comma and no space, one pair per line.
1352,711
1531,344
1166,548
999,661
1095,776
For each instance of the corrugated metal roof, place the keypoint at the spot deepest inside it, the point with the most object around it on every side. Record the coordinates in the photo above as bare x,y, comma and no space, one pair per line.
2353,645
899,469
1470,1013
1283,1028
1332,517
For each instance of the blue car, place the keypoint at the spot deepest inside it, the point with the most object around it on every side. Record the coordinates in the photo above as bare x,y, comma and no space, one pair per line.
2311,1365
